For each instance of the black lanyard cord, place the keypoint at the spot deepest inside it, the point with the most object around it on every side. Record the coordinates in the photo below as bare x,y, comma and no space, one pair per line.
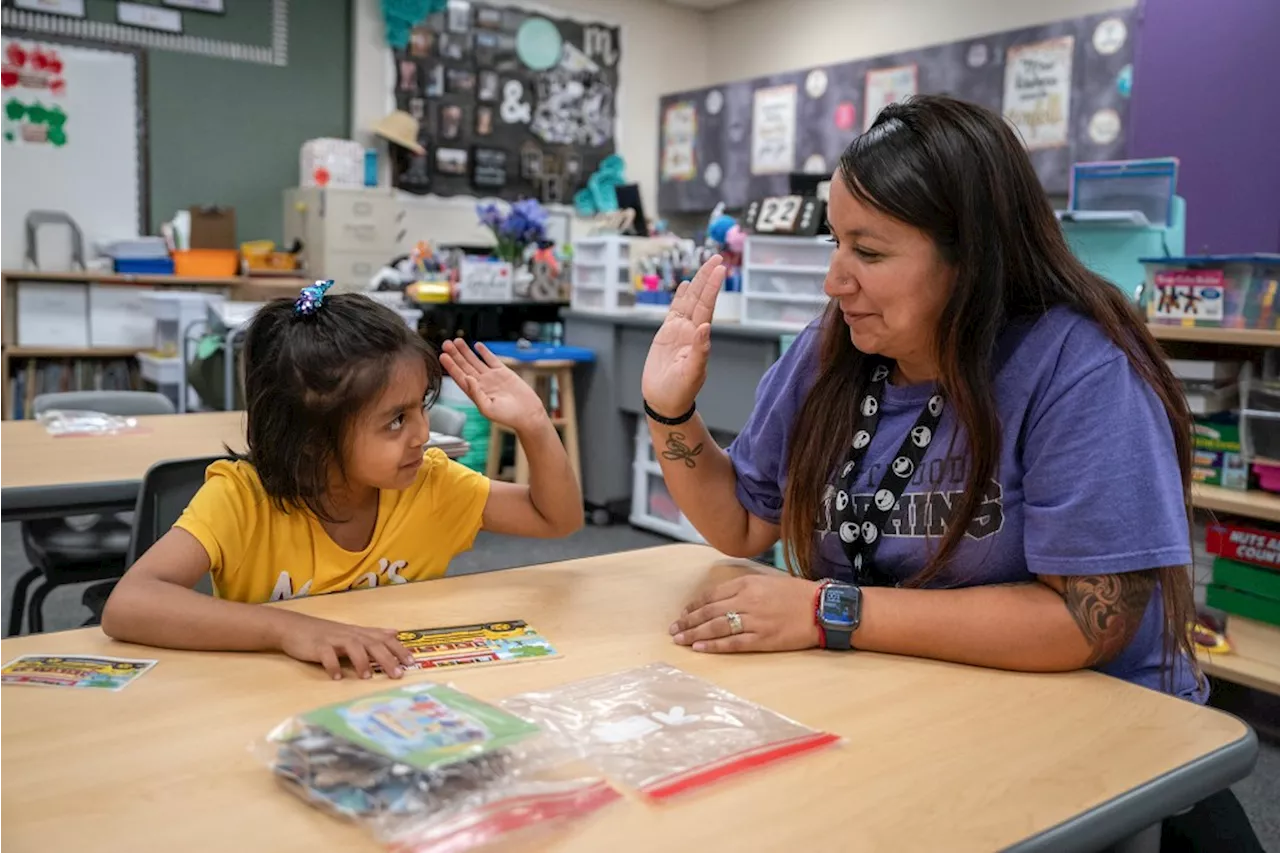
860,535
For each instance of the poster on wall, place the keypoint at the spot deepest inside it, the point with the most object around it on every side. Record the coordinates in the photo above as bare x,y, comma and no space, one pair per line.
1037,92
495,88
1071,83
35,87
773,131
679,132
887,86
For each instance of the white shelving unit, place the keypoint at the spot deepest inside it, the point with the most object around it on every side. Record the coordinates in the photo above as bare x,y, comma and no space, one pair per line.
652,506
782,280
602,274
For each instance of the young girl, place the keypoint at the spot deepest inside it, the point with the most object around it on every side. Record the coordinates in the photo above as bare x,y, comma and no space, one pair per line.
335,491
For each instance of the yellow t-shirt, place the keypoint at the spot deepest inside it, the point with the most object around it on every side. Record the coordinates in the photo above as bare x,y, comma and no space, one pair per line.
257,553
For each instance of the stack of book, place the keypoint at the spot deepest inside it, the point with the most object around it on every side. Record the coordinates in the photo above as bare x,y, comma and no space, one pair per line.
35,377
1217,459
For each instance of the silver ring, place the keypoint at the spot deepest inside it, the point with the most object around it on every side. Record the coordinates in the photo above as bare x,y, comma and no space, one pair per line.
735,621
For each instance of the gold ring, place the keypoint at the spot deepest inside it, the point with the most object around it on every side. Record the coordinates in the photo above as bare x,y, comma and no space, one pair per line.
735,621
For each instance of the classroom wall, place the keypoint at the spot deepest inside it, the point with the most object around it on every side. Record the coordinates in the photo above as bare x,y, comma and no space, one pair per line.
1205,90
759,37
230,133
663,50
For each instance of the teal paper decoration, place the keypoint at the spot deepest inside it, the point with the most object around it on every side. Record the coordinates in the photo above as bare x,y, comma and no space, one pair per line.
401,16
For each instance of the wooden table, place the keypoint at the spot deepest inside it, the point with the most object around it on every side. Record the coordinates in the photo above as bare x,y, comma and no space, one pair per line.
44,474
938,756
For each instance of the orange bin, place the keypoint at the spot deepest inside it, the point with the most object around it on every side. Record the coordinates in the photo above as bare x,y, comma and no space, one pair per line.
206,263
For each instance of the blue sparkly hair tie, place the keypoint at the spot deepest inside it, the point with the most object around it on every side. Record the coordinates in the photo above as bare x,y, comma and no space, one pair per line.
311,298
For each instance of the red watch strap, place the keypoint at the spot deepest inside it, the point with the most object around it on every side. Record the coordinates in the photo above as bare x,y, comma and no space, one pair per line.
817,614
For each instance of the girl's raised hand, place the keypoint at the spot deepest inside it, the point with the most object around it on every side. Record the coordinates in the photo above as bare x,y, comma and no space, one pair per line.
499,394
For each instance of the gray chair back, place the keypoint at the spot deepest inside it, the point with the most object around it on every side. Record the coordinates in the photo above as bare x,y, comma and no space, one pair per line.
166,490
121,403
446,420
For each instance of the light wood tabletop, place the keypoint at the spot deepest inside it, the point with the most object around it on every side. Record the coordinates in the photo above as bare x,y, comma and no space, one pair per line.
60,472
33,457
937,756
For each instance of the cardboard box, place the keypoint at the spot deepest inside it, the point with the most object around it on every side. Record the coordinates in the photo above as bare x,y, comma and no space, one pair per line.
1243,544
481,280
1216,436
53,315
120,316
213,228
1227,470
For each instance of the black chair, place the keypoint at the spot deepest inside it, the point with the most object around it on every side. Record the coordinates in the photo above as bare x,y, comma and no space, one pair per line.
166,490
78,549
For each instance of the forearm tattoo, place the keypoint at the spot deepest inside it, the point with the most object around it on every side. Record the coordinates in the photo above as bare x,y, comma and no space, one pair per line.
1108,609
678,451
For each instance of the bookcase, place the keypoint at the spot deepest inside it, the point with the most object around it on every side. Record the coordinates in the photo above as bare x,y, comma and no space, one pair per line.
65,340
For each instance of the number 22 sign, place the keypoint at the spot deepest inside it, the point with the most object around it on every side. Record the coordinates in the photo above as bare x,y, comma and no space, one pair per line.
787,214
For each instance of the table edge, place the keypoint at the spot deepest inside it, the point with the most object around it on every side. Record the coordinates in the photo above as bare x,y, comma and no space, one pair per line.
1151,802
18,501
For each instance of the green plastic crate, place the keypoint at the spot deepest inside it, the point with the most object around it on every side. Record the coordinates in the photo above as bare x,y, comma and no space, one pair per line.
1254,580
1243,604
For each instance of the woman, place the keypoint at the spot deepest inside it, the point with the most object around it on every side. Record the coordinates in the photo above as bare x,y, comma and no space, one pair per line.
977,454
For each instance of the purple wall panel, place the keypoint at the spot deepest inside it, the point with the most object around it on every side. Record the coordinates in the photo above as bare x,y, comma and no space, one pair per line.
1206,89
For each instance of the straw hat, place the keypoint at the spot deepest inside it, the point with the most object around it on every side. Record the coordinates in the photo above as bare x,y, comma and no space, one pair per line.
402,129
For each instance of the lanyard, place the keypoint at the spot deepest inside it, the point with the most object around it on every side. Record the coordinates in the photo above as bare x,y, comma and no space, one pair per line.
860,536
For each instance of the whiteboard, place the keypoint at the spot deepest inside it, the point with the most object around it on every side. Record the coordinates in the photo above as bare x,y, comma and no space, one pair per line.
91,170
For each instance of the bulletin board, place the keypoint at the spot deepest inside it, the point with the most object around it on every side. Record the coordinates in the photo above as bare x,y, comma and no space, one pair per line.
68,109
510,103
1065,86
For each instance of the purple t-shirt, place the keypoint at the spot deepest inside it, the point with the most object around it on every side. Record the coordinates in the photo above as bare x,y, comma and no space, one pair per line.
1087,480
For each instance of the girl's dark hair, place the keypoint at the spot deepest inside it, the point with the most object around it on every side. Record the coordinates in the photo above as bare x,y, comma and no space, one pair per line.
307,377
958,173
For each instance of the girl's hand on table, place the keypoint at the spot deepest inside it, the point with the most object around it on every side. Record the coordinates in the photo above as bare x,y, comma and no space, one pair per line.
777,614
320,641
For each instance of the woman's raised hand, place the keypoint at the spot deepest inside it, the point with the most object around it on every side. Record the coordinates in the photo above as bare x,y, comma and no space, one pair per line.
677,363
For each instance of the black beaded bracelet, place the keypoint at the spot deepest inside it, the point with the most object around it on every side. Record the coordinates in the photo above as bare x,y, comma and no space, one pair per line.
670,421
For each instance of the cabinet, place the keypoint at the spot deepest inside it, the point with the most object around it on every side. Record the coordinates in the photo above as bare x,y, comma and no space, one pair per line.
782,279
347,235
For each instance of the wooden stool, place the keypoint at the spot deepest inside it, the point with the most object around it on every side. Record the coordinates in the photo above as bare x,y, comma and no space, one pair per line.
541,375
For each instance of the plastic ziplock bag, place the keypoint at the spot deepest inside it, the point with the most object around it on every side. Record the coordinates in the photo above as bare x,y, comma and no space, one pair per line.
500,775
663,731
64,422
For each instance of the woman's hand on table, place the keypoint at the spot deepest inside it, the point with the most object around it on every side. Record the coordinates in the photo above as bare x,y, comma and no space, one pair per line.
324,642
676,365
777,613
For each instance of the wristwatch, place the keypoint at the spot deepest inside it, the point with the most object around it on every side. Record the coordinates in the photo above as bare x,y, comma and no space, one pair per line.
838,611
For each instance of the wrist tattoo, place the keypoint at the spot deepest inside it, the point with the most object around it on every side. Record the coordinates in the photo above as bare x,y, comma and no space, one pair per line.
678,451
1108,609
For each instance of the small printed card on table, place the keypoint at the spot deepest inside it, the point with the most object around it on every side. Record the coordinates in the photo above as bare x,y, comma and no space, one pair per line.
485,643
93,671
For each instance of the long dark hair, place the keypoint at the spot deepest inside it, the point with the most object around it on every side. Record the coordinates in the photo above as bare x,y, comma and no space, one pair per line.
307,377
959,173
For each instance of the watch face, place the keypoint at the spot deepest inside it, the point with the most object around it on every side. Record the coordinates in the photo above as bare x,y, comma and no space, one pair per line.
839,607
